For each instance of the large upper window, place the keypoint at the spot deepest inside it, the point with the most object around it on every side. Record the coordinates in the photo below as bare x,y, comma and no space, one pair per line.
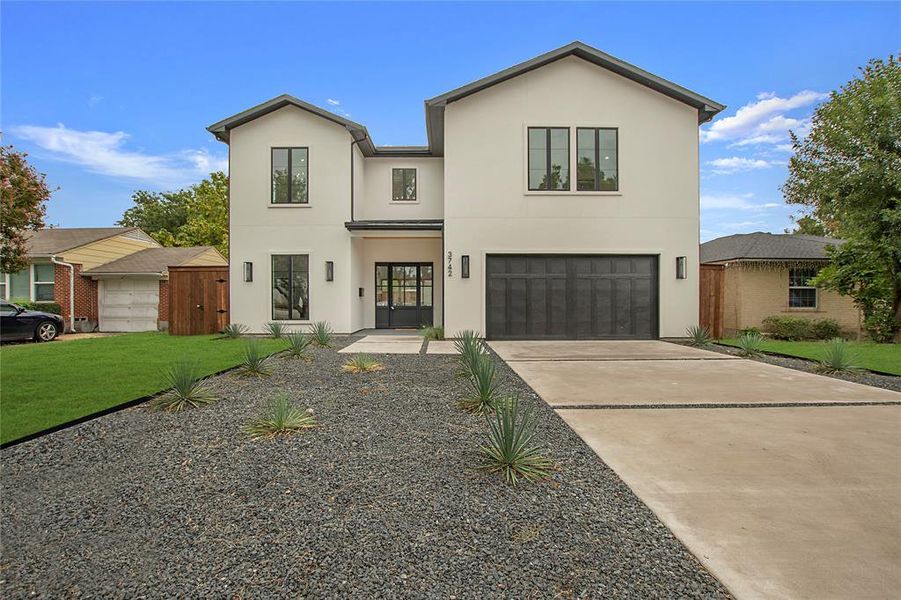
549,158
291,287
800,293
403,185
596,160
290,175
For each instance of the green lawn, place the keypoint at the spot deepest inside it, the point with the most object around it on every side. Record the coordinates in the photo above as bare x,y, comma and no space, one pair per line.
42,385
867,355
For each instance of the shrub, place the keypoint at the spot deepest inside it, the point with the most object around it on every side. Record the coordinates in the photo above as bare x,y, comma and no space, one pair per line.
254,363
798,328
298,344
361,363
698,336
276,329
750,344
880,321
836,358
826,329
432,333
484,387
470,348
186,390
233,330
281,417
510,449
322,334
48,307
742,332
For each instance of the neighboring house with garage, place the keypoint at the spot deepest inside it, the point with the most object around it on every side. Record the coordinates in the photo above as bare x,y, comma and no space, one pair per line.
768,274
65,267
555,199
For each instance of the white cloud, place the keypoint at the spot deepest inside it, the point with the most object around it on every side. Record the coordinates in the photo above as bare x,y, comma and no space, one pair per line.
764,120
741,202
94,100
333,102
736,164
105,153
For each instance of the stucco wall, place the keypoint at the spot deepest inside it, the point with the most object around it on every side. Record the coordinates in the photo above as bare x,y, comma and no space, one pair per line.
375,200
487,207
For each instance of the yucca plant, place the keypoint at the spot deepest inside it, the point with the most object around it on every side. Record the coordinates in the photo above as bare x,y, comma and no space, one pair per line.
750,344
298,345
432,333
254,363
698,336
510,449
233,330
276,329
484,388
186,389
321,333
470,349
836,358
281,417
361,363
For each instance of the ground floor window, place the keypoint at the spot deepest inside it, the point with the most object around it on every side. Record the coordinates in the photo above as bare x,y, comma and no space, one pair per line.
800,293
290,287
43,282
34,283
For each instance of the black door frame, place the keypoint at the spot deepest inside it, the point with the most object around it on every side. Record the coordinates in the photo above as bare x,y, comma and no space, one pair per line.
421,311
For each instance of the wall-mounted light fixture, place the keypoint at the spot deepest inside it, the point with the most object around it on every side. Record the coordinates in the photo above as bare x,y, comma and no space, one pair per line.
361,292
248,271
329,270
464,266
680,267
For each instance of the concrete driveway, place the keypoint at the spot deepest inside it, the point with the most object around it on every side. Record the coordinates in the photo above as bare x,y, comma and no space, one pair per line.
784,484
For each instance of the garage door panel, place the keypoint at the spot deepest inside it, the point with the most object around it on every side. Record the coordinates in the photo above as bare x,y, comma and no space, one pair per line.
129,304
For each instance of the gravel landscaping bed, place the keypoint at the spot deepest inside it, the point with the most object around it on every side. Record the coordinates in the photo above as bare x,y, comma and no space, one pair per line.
889,382
380,501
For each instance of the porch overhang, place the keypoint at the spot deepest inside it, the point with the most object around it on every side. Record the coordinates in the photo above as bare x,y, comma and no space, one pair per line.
395,225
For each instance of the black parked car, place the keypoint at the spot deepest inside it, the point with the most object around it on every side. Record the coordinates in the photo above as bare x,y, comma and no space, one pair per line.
17,323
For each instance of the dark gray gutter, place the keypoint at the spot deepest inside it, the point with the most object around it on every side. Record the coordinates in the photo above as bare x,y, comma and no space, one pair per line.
386,225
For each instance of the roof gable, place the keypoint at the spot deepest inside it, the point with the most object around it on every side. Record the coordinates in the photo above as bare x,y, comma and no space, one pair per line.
47,242
153,261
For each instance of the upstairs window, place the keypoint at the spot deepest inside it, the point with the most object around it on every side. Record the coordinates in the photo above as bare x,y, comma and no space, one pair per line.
549,158
290,176
403,185
596,160
800,293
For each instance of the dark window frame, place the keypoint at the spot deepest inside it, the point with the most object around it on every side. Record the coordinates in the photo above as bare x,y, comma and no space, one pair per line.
793,286
548,169
415,197
272,272
290,149
597,157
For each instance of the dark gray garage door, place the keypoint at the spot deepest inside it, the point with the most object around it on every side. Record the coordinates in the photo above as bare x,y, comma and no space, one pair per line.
567,296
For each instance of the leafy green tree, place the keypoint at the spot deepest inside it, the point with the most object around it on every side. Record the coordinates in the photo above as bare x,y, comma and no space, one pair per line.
194,216
807,224
847,171
23,198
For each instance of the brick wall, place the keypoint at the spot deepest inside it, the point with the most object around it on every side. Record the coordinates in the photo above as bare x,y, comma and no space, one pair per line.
85,293
163,311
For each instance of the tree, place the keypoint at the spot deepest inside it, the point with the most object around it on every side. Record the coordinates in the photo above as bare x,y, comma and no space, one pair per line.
24,195
808,225
847,171
194,216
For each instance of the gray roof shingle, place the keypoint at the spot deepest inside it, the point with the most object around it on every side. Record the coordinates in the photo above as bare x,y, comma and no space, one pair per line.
53,241
766,246
151,261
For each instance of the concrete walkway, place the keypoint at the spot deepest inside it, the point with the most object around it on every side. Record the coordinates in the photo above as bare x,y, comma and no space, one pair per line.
777,501
385,344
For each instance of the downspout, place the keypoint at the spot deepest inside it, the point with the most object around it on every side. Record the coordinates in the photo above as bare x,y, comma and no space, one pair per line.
352,144
71,268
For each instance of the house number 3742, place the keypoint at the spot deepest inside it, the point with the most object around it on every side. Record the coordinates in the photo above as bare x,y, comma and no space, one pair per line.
450,264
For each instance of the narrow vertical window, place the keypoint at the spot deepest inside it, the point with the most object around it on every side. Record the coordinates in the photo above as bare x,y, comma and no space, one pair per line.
800,293
43,282
548,159
290,176
290,287
403,185
597,164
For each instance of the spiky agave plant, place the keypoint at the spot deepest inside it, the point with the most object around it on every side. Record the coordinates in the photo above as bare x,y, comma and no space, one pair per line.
469,348
281,417
276,329
298,345
510,449
185,389
750,344
361,363
484,388
233,330
837,357
254,363
698,336
321,333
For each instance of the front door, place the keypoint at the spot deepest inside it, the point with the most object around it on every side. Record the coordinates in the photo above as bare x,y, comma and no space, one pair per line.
403,294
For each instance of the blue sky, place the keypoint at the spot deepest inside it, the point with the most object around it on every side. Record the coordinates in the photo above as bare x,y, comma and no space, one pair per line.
112,97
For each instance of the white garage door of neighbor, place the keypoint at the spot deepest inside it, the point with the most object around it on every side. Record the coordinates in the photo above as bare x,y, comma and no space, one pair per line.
129,304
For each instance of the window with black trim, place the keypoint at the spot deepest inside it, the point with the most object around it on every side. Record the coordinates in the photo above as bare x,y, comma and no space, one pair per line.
597,161
291,287
548,158
403,185
290,176
800,293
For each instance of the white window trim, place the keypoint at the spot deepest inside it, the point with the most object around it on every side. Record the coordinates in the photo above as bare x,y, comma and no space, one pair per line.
391,199
816,294
310,256
573,159
32,282
5,294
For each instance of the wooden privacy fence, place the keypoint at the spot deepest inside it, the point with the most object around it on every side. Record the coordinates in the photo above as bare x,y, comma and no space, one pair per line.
198,299
711,286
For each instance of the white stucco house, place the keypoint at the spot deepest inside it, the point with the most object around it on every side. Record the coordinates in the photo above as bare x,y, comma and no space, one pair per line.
556,199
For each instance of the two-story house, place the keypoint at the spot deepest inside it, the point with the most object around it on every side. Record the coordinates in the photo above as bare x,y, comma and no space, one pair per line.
558,198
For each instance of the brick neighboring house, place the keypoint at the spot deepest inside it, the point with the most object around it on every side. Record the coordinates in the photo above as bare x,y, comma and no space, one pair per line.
767,274
98,299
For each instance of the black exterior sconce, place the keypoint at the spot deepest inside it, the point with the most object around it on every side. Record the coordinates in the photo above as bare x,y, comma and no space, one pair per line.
464,266
680,267
248,272
329,270
361,292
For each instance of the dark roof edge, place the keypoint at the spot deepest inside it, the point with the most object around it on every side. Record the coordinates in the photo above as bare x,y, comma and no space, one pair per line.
762,260
411,225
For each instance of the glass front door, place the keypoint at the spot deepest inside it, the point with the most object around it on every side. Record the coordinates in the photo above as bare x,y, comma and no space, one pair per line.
403,294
